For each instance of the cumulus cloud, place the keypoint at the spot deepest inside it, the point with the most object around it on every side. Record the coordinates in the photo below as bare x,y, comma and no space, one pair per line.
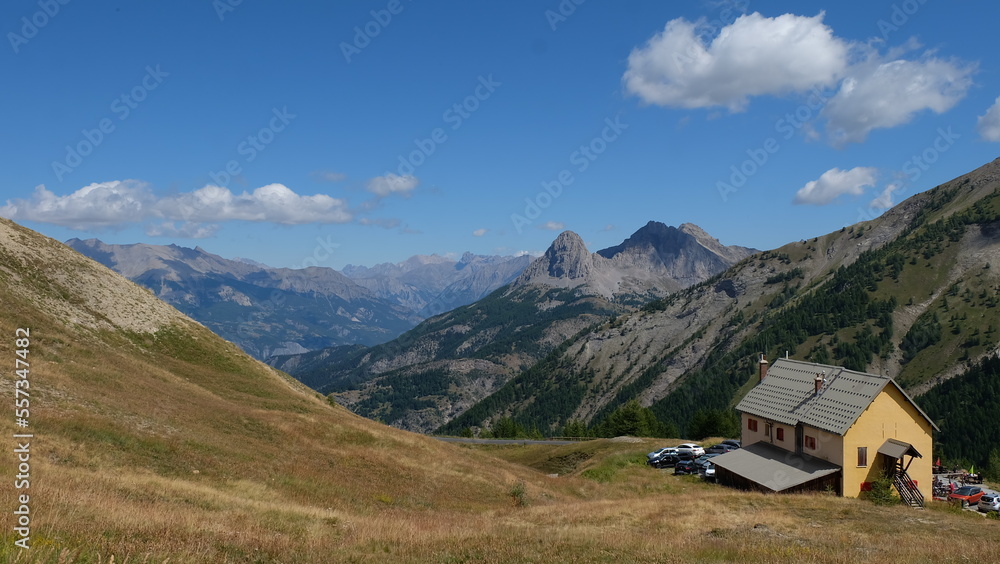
885,92
791,54
97,205
553,226
118,203
383,186
988,124
834,183
480,232
274,203
884,200
753,56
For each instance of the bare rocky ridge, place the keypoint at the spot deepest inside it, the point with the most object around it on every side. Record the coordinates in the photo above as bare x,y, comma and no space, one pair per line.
655,261
103,300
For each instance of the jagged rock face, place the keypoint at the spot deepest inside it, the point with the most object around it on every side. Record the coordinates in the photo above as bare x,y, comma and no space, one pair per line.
566,259
656,260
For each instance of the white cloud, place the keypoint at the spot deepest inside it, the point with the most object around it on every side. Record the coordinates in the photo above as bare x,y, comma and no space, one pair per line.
274,203
835,182
97,205
118,203
884,92
480,232
988,124
383,186
553,226
186,230
609,227
884,200
753,56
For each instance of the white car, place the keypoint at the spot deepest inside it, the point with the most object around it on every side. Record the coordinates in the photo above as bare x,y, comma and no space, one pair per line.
989,503
661,452
690,448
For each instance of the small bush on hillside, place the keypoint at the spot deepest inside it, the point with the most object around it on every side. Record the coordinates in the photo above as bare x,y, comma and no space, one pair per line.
881,492
519,493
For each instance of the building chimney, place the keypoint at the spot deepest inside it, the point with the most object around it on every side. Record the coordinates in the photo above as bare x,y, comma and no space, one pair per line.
762,367
819,383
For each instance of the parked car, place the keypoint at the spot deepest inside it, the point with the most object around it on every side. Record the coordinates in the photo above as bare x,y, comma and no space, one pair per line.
721,448
692,466
660,452
668,459
707,471
733,443
968,495
685,467
989,502
691,448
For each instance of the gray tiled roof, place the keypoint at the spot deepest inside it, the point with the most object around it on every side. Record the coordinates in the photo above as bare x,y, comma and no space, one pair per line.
787,395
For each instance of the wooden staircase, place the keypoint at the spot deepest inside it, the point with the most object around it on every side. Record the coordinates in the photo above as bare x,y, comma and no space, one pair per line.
907,490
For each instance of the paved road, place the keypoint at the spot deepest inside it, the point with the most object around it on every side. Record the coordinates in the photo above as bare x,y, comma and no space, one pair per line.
503,441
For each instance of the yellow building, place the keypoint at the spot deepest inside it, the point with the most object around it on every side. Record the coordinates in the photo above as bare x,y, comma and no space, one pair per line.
811,426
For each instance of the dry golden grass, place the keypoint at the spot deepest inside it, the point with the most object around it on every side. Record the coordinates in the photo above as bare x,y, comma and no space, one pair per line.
175,447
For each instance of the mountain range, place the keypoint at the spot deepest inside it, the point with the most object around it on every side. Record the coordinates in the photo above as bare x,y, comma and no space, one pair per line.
269,311
911,294
436,371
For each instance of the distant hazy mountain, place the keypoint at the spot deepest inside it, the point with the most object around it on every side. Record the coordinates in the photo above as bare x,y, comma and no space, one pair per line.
430,285
439,369
264,310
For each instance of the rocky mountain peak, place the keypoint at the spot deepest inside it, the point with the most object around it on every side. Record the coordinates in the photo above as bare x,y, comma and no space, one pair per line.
566,261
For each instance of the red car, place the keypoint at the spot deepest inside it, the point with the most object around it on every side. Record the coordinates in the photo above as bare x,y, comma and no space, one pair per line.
968,495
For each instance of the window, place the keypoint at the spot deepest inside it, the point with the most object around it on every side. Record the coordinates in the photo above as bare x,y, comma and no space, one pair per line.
780,433
752,425
810,442
862,456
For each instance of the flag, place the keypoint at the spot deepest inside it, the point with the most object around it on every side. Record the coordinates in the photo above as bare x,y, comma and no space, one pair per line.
938,463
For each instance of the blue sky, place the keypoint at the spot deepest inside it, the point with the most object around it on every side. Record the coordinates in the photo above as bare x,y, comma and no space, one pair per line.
301,133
